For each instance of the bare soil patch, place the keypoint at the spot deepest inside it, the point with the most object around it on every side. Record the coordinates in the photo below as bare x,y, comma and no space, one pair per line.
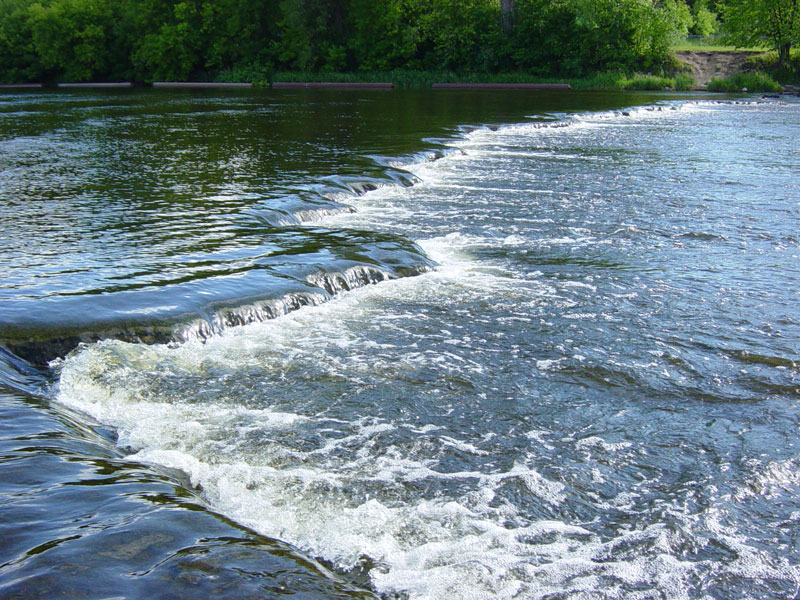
707,64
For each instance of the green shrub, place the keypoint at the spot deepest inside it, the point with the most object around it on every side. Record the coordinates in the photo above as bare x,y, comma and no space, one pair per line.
788,72
683,82
258,75
646,82
752,82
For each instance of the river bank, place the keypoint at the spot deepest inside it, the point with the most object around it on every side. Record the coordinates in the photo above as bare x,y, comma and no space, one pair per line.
692,70
706,65
701,69
408,80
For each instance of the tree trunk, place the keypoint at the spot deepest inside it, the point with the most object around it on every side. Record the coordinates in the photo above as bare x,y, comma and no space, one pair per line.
507,9
783,54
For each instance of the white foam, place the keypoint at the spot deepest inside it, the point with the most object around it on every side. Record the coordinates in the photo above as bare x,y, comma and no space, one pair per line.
770,480
344,487
549,364
337,500
597,443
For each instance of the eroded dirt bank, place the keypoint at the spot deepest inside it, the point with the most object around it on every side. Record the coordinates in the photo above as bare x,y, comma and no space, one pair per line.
707,64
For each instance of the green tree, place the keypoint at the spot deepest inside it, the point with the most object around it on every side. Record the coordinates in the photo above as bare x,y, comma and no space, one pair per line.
313,34
679,15
238,32
755,22
385,35
71,37
178,39
463,34
577,37
171,49
19,61
705,20
508,8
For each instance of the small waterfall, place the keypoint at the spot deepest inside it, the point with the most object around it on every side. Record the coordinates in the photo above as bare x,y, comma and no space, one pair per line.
225,318
354,277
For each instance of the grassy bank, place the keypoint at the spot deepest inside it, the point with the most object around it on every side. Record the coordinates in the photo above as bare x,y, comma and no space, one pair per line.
688,46
787,74
750,82
419,80
714,43
620,81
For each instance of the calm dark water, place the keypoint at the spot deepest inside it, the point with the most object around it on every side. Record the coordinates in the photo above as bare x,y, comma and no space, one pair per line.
416,345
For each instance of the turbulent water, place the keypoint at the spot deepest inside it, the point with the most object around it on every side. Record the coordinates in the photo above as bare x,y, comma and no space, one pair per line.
453,345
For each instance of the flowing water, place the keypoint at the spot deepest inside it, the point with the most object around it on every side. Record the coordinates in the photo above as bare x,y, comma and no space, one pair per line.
407,345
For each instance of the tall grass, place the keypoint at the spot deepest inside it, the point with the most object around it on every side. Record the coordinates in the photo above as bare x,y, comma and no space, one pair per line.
751,82
258,75
713,43
621,81
652,82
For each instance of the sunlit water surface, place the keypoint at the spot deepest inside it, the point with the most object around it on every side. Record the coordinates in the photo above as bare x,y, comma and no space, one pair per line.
456,346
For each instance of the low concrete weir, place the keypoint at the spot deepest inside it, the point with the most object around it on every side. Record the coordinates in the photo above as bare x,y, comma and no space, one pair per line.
120,84
501,86
199,84
331,85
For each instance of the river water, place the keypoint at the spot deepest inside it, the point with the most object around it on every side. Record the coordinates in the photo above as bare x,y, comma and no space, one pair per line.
407,345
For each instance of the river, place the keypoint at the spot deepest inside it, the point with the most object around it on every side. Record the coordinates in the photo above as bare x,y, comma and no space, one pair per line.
411,345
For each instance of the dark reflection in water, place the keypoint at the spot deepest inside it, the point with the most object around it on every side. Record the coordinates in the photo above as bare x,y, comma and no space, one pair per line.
128,214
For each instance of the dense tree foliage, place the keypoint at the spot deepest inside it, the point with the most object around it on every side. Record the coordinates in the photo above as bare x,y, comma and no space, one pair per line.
752,22
59,40
705,19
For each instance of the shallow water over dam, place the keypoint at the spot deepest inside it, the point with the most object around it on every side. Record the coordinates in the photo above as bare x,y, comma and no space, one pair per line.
408,345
